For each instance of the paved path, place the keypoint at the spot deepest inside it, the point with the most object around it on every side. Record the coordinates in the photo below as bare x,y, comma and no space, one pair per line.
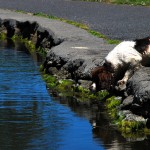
115,21
77,46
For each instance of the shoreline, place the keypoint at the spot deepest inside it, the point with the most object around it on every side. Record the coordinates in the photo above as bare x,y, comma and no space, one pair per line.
71,54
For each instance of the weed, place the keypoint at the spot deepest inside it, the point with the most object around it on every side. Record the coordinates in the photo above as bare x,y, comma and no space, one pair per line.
128,2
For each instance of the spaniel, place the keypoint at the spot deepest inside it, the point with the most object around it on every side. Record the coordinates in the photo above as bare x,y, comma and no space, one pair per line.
120,64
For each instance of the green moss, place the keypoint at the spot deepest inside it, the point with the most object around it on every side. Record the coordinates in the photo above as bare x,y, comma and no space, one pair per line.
41,68
69,88
125,126
136,126
112,102
101,95
3,36
41,51
30,45
50,80
83,94
131,126
65,85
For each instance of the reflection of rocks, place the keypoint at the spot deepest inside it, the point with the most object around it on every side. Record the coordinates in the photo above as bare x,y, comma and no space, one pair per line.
129,116
104,131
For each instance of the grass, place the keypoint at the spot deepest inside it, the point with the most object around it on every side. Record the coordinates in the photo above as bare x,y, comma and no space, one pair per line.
131,2
128,2
77,24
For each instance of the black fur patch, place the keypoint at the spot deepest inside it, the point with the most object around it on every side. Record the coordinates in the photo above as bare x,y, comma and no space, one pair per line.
142,44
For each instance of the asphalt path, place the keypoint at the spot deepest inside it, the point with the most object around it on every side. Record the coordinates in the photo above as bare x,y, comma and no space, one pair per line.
115,21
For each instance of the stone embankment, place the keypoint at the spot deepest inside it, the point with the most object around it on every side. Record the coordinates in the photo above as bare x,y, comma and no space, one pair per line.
72,53
68,48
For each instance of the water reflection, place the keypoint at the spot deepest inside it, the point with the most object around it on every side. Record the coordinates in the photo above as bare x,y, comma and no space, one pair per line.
29,118
104,132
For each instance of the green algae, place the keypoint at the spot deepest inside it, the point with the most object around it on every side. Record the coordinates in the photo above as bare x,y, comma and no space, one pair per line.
3,36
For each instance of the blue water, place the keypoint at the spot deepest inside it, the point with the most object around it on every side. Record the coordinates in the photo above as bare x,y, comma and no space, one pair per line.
31,119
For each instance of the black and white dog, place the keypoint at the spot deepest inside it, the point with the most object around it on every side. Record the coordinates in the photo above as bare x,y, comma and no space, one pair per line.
120,63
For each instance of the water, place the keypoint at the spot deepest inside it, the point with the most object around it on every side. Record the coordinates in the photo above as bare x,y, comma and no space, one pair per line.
32,119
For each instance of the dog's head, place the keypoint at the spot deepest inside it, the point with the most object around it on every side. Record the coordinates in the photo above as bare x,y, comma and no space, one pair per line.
102,79
142,45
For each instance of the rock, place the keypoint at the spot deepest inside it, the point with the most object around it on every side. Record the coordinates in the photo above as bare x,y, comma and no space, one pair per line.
59,73
46,38
139,86
133,117
10,25
127,102
85,83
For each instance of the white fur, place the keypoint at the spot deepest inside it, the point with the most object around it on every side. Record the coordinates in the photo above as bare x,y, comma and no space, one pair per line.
93,87
124,56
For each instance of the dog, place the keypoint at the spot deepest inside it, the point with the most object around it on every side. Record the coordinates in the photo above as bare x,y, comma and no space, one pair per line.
121,63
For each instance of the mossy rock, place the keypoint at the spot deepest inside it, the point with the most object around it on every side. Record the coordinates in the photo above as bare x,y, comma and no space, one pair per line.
131,126
113,102
50,80
3,36
65,85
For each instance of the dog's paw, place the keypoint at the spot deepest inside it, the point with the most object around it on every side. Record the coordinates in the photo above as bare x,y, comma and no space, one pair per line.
121,85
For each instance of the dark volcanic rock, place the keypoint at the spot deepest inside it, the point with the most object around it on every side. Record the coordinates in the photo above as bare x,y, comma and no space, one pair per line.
139,86
127,102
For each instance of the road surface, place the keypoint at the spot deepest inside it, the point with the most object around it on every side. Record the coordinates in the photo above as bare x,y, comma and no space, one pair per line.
115,21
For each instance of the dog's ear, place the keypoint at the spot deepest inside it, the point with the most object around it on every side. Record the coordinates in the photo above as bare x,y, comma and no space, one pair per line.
95,77
97,71
142,44
103,78
106,80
